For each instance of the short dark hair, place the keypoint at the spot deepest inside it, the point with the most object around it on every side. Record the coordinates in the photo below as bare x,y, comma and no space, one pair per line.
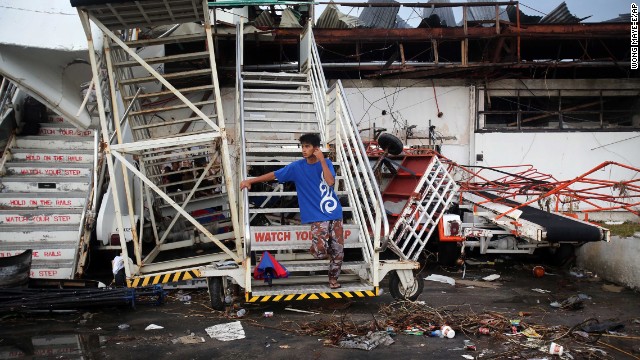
312,139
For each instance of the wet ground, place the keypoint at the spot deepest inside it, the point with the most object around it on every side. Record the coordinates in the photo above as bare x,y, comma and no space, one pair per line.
96,333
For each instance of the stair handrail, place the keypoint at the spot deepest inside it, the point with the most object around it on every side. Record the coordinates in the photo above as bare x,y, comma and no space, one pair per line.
349,146
318,84
244,204
376,221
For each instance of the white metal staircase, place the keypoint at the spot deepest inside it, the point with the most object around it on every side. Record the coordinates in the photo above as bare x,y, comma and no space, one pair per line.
179,150
275,110
47,184
425,205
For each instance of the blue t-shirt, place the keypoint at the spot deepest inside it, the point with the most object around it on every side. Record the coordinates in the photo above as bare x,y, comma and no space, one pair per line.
316,199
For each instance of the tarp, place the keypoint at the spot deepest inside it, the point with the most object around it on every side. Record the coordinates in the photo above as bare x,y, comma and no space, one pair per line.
269,269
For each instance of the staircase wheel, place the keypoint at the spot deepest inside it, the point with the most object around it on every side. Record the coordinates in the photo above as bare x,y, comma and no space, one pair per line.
400,293
390,143
216,293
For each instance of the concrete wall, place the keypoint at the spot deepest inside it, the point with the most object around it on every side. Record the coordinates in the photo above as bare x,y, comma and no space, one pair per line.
413,102
616,261
565,155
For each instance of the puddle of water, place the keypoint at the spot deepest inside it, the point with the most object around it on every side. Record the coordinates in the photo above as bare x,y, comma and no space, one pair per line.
60,346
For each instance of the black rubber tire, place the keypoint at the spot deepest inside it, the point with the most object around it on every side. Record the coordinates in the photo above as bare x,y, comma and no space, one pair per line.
398,293
216,293
390,143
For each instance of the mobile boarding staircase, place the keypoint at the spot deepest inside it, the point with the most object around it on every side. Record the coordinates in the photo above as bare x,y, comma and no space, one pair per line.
178,147
274,109
48,196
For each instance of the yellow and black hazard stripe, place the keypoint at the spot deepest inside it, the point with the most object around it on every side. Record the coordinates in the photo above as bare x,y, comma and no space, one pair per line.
163,278
312,296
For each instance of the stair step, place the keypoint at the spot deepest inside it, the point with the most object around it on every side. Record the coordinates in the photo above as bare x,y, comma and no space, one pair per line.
52,271
41,217
274,83
286,193
38,200
166,59
62,129
170,122
27,234
48,169
169,92
43,184
286,210
295,237
276,91
320,265
170,108
273,75
169,76
277,162
41,252
280,110
276,142
279,150
355,289
51,156
284,120
167,40
279,131
283,100
54,142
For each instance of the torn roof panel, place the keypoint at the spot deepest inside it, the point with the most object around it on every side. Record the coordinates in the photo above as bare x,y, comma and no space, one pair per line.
479,13
380,17
560,15
444,13
332,18
622,18
289,19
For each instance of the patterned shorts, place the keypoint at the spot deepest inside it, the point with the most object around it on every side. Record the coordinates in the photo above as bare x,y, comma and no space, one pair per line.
328,242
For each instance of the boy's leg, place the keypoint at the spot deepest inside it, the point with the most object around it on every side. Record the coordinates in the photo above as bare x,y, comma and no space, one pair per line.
319,239
336,252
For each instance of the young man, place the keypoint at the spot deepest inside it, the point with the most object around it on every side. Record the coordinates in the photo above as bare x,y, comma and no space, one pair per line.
314,177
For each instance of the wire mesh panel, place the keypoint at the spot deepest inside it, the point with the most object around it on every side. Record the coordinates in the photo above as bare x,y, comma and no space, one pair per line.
420,216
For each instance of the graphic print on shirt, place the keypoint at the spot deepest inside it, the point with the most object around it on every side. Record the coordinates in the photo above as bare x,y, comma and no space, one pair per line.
328,203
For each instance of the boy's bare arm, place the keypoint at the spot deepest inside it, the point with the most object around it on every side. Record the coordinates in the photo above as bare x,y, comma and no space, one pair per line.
326,173
246,183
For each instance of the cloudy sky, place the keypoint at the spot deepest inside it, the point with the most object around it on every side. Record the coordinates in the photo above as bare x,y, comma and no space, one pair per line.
599,10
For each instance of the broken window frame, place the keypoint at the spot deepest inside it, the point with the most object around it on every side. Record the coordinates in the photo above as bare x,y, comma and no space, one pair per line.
520,109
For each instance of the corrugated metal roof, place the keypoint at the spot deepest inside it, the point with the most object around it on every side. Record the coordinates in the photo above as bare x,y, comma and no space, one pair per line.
560,15
444,13
379,17
332,18
401,24
477,13
264,20
622,18
289,19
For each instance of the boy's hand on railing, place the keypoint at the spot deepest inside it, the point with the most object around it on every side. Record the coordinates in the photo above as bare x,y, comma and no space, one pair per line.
245,184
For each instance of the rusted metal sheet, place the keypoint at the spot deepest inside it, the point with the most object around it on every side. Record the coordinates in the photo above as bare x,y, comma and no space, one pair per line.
379,17
332,18
444,13
558,31
560,15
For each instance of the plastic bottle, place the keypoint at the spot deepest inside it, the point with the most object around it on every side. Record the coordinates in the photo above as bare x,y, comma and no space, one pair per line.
241,312
448,332
436,333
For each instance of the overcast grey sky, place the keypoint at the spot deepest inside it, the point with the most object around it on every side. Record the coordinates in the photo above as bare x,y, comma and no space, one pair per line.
600,10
